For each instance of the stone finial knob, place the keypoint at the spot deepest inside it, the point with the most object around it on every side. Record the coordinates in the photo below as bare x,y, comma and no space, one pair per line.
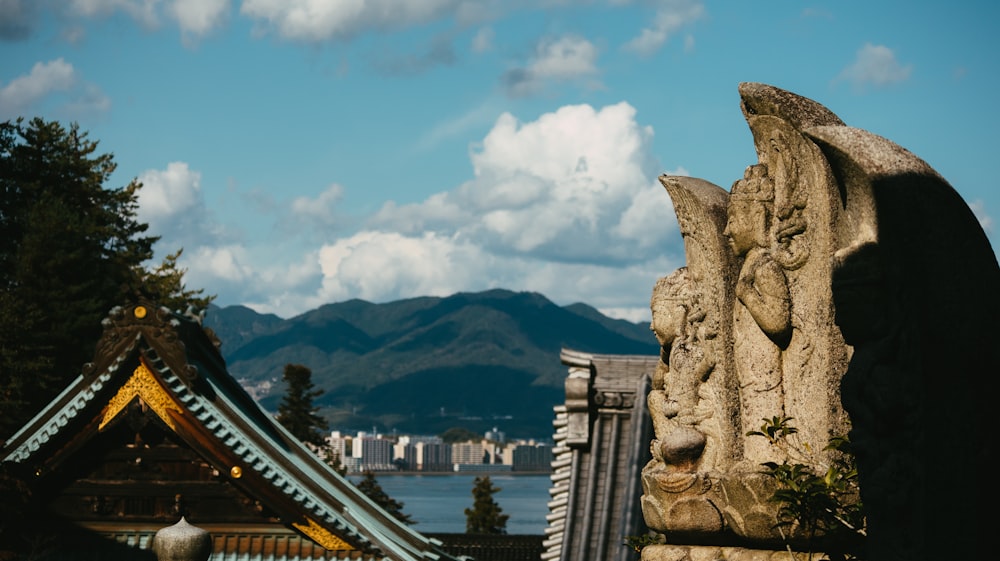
682,447
182,542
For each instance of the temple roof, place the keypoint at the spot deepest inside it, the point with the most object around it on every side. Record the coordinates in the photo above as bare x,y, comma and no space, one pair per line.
172,367
602,435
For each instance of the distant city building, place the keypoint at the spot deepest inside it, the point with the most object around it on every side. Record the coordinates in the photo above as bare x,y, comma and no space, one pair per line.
340,447
373,453
471,453
496,436
528,456
433,456
404,454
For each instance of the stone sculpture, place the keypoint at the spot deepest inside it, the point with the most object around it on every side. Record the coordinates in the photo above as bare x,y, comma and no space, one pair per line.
827,269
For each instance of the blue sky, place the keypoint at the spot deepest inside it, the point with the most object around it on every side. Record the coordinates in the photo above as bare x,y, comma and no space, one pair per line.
311,151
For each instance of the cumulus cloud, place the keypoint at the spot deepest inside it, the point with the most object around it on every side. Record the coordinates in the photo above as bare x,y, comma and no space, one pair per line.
482,41
167,194
171,202
985,220
320,210
576,186
197,18
45,78
671,16
319,20
142,11
567,205
58,85
875,65
377,265
194,18
383,266
564,59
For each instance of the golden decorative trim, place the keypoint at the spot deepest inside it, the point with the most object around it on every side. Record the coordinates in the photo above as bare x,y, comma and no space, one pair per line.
236,472
321,536
140,312
145,386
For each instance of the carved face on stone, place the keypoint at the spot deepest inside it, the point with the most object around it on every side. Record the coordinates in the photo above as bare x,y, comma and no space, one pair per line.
748,214
673,298
742,225
669,318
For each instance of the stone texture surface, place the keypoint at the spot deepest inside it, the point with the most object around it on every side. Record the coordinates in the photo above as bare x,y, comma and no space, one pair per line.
749,330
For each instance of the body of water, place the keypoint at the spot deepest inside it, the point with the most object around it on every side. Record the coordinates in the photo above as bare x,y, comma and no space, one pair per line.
437,503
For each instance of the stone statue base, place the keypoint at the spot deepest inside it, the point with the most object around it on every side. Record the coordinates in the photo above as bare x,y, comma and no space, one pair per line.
710,553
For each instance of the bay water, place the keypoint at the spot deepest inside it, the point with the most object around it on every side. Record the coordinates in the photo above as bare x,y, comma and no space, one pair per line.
437,502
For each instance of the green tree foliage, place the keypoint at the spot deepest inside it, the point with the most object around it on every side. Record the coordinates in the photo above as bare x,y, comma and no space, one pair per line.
70,250
459,434
371,488
165,286
296,411
333,460
818,498
485,516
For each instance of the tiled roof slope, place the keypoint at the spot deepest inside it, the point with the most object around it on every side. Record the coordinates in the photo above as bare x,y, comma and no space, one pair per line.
168,362
602,436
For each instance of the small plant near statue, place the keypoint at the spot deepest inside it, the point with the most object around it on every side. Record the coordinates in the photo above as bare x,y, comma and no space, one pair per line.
636,543
817,496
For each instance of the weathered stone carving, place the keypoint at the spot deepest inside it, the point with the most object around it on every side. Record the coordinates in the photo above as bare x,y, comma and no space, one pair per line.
917,290
749,330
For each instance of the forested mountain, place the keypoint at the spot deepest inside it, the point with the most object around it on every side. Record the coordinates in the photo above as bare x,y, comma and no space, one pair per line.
423,365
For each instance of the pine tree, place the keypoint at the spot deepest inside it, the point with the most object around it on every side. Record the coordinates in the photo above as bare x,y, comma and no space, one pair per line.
296,411
371,488
333,460
485,516
165,286
70,250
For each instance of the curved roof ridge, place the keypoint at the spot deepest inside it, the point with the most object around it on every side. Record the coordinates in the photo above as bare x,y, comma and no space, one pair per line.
218,419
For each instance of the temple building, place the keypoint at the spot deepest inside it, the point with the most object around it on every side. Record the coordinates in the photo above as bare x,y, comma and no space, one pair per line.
602,436
155,428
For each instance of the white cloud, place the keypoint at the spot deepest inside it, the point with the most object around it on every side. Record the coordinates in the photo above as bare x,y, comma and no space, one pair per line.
985,220
321,209
44,79
171,202
649,208
168,194
142,11
876,65
228,263
564,59
566,205
195,18
381,266
671,16
562,187
198,17
320,20
483,40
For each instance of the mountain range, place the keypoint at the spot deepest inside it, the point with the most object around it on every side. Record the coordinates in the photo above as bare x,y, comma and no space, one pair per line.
424,365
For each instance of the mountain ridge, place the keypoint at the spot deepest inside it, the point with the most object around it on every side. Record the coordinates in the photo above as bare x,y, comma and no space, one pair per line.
425,364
